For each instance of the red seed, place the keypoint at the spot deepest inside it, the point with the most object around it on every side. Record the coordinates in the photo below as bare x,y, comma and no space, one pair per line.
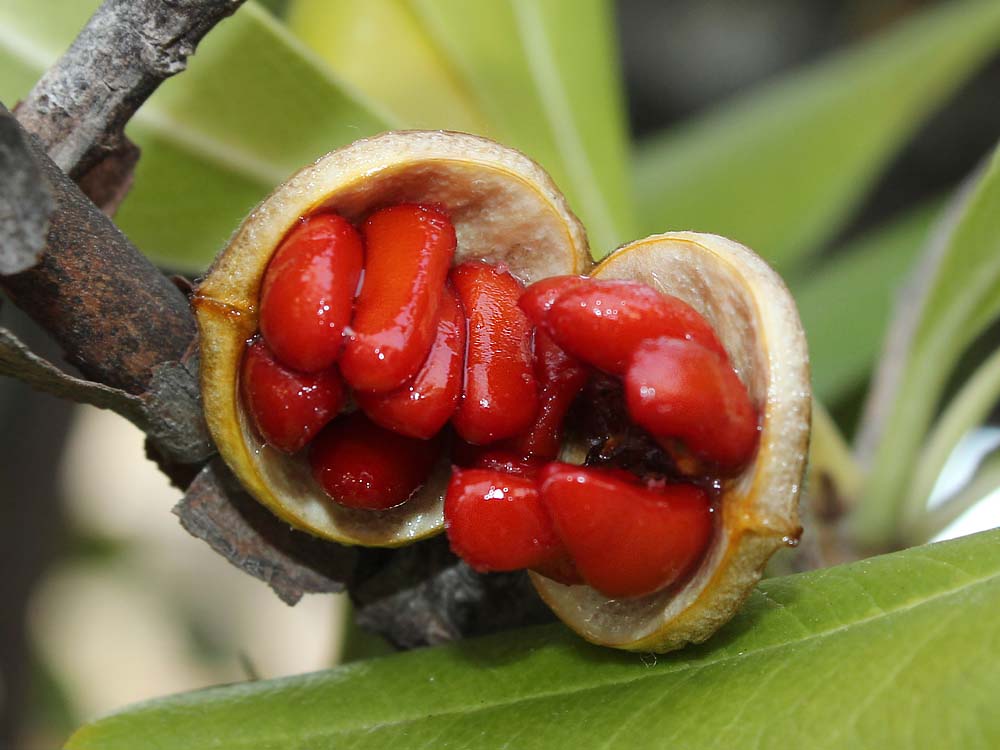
495,521
603,322
362,465
626,539
538,298
308,291
408,249
680,390
500,398
287,407
560,378
425,404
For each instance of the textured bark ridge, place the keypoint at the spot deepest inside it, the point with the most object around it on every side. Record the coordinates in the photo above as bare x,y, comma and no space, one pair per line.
25,200
79,108
112,311
245,533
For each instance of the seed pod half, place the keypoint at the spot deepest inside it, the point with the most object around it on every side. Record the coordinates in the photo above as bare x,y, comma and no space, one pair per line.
505,210
755,318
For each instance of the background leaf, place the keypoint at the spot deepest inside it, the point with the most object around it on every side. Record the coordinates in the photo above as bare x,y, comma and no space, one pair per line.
967,409
382,48
845,303
781,169
959,295
813,660
984,482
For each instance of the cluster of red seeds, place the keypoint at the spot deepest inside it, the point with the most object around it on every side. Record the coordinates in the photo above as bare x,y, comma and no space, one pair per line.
436,355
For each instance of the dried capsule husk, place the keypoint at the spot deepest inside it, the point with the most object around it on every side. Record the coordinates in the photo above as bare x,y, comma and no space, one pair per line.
755,318
505,210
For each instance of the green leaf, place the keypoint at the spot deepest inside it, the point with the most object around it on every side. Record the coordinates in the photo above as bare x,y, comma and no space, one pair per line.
780,169
32,35
381,47
253,106
845,303
814,660
958,296
546,76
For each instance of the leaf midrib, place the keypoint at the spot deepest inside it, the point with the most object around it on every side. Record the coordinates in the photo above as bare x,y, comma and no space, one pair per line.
677,669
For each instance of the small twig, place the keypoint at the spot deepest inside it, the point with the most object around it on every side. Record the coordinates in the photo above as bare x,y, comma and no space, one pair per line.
240,529
17,360
79,108
115,315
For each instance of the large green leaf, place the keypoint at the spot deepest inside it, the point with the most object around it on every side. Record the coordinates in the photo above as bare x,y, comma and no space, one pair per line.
546,77
958,297
253,106
845,303
897,651
383,48
780,169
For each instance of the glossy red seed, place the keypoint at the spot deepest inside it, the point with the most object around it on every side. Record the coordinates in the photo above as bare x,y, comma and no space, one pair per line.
408,251
537,299
362,465
680,390
287,407
425,404
308,292
495,521
603,322
560,378
500,397
626,539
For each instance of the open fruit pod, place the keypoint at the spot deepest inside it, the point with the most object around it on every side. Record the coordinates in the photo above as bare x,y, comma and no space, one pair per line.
497,220
505,210
755,318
